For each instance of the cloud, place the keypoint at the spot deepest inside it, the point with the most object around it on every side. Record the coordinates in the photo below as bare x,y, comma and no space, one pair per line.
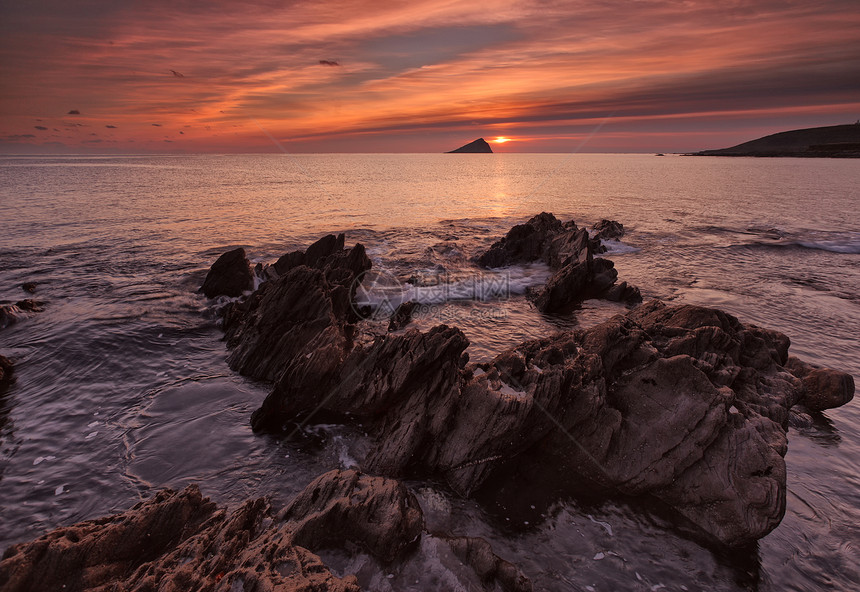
422,65
40,127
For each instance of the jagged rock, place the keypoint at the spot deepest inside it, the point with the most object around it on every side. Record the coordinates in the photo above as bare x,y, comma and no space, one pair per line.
289,261
490,568
306,311
570,251
524,242
823,388
402,316
6,370
230,275
181,541
608,230
684,404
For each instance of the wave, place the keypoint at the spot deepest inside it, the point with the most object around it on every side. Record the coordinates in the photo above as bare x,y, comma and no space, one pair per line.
614,247
851,246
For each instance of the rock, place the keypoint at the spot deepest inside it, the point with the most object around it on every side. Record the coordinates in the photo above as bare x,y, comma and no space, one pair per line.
327,245
305,312
230,275
181,541
380,515
12,313
684,404
289,261
608,230
524,243
402,316
476,147
823,388
6,371
568,250
478,554
29,287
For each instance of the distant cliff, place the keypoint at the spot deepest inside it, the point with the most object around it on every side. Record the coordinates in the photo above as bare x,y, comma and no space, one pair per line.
478,146
835,141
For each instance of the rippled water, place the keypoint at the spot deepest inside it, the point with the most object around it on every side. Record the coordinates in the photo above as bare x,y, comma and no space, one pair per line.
122,386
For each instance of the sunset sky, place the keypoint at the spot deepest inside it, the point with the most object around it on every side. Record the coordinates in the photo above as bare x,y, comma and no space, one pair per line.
421,76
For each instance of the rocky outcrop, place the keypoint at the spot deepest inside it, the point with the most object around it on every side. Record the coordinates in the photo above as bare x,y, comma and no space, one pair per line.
823,388
684,404
306,311
478,146
608,230
29,287
182,541
230,275
569,250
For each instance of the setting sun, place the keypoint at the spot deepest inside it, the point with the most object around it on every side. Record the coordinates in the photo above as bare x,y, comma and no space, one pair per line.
501,140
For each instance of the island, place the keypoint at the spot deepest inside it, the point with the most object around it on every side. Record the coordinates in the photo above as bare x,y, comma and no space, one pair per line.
835,141
479,146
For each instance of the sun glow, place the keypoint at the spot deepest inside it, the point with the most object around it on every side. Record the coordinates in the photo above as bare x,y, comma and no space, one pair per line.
501,140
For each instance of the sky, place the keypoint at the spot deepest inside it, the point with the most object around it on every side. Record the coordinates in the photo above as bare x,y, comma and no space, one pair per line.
100,76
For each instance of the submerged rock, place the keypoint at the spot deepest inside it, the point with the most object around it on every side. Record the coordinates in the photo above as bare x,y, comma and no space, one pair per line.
29,287
230,275
12,313
180,541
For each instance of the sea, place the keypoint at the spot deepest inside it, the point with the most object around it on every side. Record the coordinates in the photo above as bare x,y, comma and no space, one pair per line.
122,387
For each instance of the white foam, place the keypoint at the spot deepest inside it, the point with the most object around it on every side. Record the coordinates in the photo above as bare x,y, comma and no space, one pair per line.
614,247
849,246
60,490
605,525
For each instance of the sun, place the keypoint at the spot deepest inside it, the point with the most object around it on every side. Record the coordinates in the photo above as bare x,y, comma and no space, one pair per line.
501,140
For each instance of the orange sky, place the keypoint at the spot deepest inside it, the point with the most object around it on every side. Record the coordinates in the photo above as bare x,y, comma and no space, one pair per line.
421,76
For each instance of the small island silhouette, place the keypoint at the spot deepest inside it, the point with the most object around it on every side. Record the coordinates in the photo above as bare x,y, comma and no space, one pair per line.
835,141
479,146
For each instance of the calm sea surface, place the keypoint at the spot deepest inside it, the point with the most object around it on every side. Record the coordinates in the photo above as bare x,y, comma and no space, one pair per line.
122,387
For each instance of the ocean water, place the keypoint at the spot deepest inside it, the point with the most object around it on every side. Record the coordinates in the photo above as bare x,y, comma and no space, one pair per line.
122,387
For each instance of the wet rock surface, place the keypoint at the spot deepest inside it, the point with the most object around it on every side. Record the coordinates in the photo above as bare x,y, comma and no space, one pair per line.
181,541
681,404
6,371
571,252
230,275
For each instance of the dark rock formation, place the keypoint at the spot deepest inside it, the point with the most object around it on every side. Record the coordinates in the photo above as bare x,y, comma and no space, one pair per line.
307,311
230,275
6,370
478,146
684,404
524,243
823,388
402,316
570,251
608,230
835,141
490,568
181,541
29,287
